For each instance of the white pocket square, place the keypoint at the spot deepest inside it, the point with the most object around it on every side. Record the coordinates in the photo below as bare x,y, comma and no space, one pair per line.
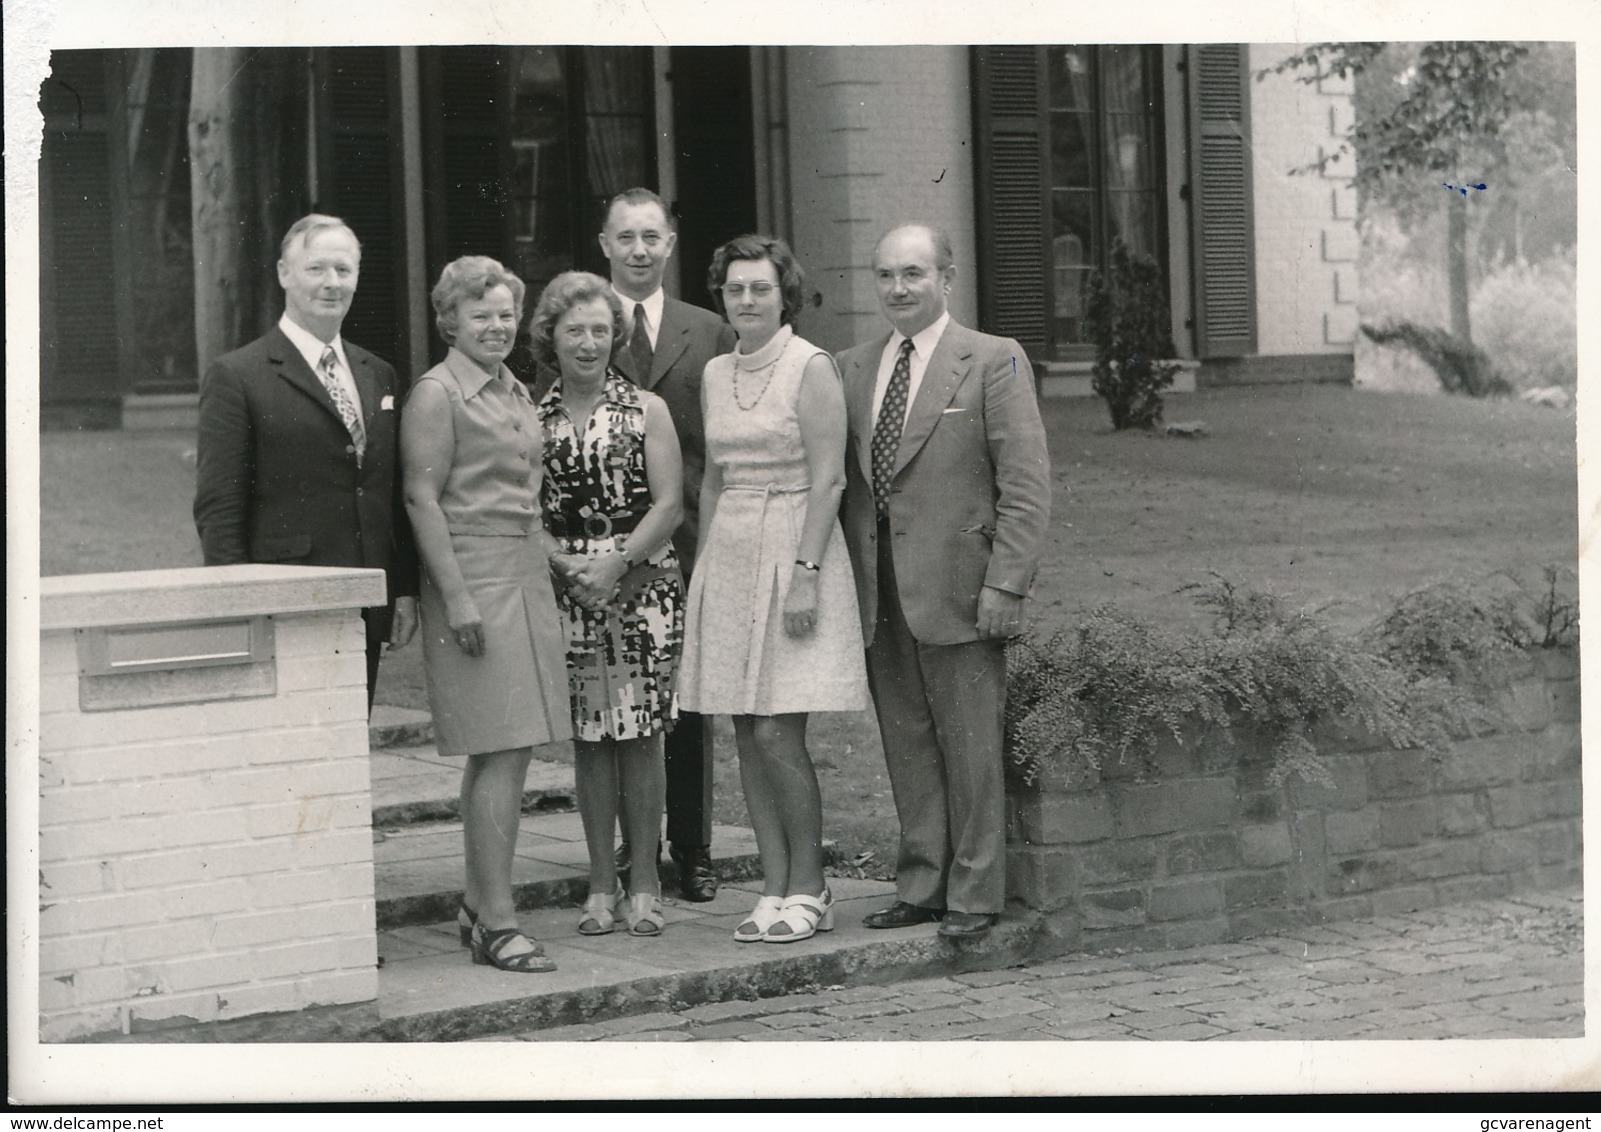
387,403
958,409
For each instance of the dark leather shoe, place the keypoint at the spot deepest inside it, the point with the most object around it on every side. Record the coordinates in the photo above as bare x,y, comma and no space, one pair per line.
967,924
901,915
697,878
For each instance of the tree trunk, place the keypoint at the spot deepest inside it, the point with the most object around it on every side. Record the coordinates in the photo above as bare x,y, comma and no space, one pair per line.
1456,266
218,109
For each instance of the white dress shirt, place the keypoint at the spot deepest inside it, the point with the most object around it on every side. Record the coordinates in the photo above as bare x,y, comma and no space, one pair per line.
653,303
311,348
923,343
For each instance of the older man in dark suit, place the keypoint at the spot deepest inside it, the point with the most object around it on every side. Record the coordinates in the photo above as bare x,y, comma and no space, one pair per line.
671,343
298,447
947,499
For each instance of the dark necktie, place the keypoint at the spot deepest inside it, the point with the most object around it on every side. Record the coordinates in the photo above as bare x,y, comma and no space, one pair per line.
328,374
639,346
887,430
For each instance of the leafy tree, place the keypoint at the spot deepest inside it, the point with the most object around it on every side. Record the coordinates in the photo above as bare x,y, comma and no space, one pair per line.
1442,129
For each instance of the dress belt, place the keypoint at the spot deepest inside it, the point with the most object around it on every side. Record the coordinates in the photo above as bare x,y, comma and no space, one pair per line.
594,526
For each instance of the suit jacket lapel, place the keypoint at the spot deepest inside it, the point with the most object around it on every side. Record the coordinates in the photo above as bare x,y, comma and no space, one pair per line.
293,369
945,372
672,339
366,385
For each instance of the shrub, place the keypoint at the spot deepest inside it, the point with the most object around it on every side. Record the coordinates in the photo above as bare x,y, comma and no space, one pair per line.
1114,686
1524,315
1128,318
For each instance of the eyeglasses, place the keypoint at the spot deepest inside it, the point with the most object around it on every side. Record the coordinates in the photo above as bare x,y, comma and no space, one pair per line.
736,291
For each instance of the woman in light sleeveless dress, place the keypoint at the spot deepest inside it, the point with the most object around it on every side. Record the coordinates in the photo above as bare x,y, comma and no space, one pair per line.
772,631
493,648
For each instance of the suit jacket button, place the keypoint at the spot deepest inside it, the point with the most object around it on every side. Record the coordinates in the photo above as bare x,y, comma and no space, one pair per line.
350,449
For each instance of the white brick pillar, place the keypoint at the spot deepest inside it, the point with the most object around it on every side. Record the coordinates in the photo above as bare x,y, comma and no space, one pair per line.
205,808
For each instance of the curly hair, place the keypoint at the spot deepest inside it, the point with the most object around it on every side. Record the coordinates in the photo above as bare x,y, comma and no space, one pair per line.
561,295
791,279
471,277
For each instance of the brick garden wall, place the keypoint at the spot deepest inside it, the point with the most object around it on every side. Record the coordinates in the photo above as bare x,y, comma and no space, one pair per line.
1203,847
205,849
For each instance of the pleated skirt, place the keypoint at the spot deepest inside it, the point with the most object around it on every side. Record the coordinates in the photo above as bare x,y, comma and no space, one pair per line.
515,694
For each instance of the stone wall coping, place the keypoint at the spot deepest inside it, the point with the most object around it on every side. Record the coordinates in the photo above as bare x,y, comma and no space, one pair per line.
202,593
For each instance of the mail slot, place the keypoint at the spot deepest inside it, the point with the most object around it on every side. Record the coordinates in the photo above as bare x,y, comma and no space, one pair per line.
149,648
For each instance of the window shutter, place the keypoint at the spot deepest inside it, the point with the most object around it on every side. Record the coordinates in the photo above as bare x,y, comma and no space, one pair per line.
1012,188
78,344
1224,259
361,184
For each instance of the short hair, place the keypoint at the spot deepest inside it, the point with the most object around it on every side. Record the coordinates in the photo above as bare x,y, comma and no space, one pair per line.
791,279
637,196
561,295
308,226
471,277
943,255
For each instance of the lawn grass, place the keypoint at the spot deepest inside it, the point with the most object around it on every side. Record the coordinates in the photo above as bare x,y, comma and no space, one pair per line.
1339,499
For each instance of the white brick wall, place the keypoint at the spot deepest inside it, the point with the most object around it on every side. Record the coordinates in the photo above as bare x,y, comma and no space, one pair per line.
207,861
877,135
1305,224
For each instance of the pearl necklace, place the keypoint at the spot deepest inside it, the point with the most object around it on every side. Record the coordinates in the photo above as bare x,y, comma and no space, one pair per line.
776,345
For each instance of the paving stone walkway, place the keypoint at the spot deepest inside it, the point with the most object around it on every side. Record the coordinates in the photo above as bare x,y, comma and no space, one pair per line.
1509,968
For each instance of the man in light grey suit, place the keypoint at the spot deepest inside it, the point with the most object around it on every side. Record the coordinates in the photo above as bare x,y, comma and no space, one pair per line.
947,501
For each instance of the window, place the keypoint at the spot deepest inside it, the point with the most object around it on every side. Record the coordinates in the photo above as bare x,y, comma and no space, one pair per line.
1104,125
1069,155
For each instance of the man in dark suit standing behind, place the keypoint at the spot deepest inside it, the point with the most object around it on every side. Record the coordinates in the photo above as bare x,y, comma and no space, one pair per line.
947,499
298,454
671,343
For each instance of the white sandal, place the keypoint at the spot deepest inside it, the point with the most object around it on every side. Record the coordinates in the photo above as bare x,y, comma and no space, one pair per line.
603,911
807,915
763,916
644,915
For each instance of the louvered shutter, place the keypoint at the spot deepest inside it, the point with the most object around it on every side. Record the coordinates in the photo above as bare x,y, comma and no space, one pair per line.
1013,194
77,290
361,184
1224,258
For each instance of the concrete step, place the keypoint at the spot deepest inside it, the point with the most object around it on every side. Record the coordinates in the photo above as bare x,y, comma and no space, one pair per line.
429,989
415,783
391,726
418,868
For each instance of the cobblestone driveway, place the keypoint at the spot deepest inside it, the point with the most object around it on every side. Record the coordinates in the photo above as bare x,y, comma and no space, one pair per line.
1510,968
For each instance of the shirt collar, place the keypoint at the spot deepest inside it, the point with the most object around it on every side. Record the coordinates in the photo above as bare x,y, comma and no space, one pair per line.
925,339
654,302
471,376
309,345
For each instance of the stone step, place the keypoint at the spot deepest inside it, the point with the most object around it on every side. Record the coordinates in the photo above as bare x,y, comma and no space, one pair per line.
418,867
391,726
429,989
415,783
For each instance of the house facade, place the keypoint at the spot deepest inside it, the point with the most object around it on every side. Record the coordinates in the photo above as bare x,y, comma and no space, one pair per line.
1033,158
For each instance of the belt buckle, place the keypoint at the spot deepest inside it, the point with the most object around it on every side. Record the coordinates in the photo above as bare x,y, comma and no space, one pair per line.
597,525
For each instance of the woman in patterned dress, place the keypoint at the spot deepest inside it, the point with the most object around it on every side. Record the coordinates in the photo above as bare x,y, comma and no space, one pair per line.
771,630
613,496
492,638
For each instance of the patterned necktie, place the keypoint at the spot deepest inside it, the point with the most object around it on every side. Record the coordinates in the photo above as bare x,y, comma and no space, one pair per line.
639,346
887,431
342,401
